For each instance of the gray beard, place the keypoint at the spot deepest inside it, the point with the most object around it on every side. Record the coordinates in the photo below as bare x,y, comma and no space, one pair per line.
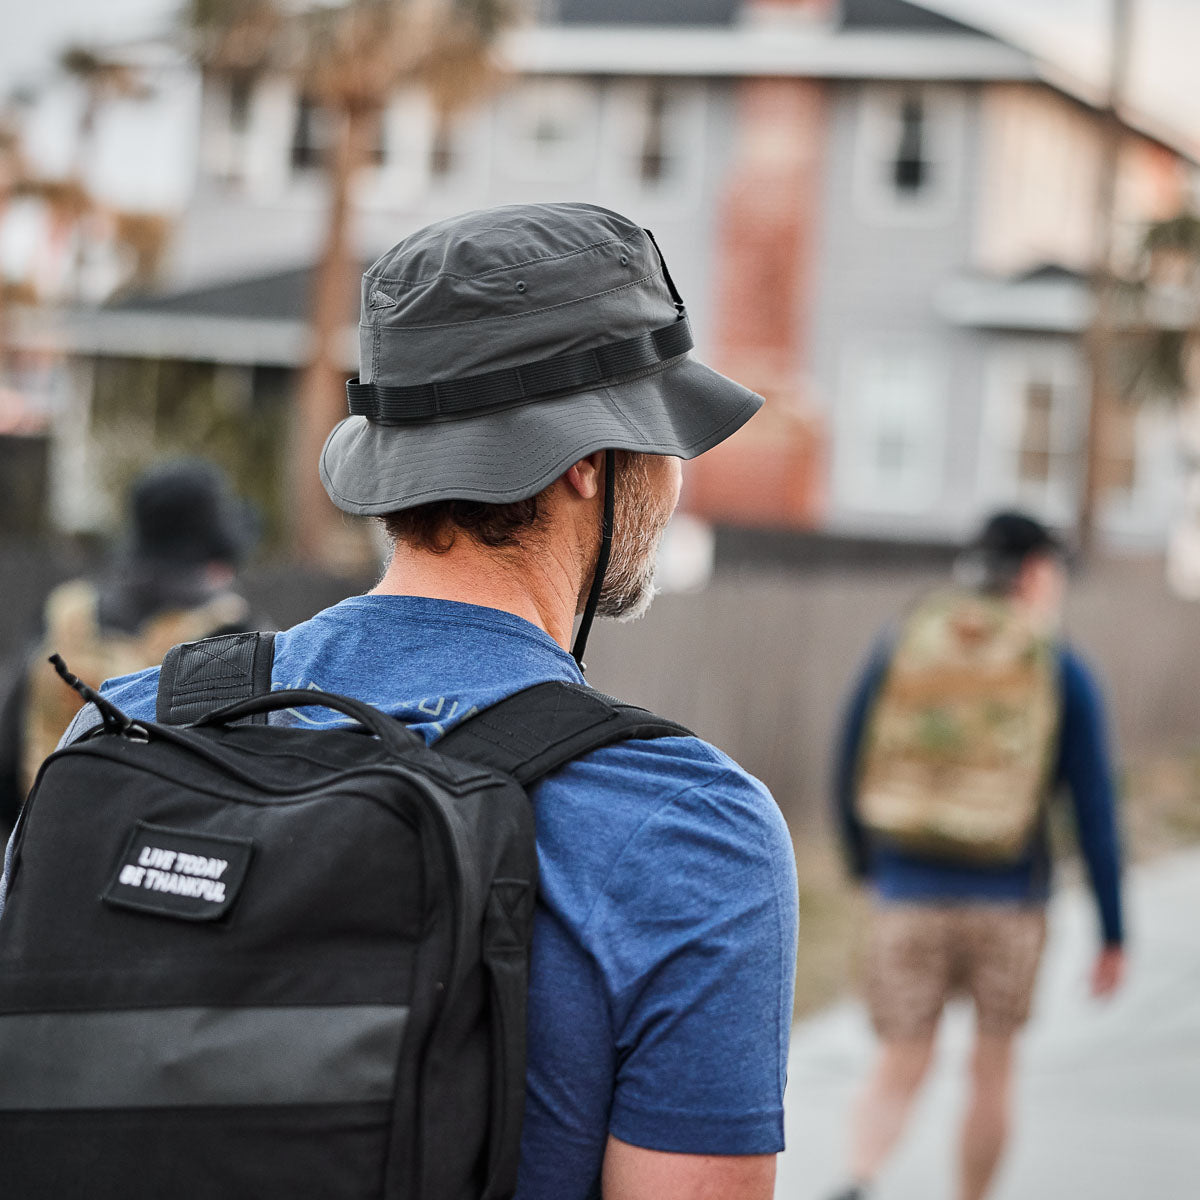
639,519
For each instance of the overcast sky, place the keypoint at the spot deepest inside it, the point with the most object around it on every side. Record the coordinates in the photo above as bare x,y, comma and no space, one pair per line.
1069,32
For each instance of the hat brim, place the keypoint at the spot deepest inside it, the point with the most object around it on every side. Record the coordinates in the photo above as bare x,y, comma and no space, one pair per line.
682,410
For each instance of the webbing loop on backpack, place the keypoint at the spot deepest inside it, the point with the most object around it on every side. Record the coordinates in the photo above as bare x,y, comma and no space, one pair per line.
199,676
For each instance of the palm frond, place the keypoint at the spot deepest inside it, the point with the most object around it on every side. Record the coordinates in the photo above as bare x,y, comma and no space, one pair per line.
1161,307
233,37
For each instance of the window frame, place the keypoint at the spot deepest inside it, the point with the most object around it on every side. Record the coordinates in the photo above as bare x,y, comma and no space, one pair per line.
860,484
1009,371
624,129
555,94
877,134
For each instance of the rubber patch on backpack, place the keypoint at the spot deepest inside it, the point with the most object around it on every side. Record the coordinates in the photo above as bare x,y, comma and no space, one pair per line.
176,873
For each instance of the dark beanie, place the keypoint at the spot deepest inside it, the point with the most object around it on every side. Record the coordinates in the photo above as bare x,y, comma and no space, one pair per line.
184,513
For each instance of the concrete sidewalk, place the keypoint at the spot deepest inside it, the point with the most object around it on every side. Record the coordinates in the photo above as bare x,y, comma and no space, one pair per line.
1109,1095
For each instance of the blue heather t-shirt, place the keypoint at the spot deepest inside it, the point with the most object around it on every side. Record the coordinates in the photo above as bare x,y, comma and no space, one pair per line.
664,938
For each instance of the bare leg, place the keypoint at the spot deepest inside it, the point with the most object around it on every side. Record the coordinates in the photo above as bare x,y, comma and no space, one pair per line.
985,1131
885,1103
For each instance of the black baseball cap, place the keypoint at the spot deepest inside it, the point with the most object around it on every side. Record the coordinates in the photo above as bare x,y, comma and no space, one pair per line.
1009,537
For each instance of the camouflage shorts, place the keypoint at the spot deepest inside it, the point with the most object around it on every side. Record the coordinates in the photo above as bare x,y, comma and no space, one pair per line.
922,954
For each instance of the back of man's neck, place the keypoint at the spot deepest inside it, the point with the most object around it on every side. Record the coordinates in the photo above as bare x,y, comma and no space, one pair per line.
471,574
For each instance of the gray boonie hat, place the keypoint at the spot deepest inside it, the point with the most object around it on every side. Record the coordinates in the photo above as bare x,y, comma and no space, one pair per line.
501,346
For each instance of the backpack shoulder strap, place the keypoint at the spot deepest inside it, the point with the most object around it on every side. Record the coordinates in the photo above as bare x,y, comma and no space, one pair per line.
199,676
536,731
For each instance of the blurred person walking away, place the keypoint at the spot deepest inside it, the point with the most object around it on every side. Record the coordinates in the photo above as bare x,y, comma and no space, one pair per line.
959,732
171,581
526,395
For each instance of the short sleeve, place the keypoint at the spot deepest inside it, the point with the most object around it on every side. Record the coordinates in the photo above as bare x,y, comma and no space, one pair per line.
696,927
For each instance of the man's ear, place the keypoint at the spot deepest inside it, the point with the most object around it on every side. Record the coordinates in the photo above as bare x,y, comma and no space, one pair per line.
584,477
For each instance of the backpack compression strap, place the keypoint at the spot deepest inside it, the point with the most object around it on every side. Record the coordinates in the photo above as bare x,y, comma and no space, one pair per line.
197,677
538,730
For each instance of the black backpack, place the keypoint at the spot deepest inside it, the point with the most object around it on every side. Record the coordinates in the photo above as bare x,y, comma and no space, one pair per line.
250,961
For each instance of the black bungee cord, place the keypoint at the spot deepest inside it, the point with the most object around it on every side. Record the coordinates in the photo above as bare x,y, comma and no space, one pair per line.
606,537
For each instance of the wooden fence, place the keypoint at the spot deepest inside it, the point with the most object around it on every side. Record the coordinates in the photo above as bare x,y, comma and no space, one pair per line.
760,662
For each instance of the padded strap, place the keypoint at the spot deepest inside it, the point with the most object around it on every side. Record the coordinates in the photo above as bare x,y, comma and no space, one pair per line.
197,677
536,731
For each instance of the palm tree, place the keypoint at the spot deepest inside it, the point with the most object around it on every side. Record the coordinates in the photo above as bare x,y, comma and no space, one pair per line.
1165,295
347,60
1162,363
13,169
103,79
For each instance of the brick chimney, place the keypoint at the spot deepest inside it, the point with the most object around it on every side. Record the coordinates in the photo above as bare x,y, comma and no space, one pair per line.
757,10
769,472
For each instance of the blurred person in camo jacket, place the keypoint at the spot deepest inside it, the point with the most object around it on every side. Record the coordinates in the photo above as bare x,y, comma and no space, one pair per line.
172,581
959,731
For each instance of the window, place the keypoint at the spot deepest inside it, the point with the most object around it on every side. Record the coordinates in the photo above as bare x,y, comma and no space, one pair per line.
441,149
457,150
652,142
239,105
891,447
911,171
1033,427
312,136
551,125
402,152
1036,451
309,135
654,163
377,144
1119,468
908,154
226,131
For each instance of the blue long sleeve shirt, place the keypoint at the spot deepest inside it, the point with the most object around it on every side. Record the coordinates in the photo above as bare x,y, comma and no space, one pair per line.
1084,767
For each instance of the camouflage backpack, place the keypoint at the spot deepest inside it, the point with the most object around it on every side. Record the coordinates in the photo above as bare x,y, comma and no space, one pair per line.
73,630
960,741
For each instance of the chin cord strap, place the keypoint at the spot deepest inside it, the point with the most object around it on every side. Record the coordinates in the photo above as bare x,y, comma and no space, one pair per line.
606,536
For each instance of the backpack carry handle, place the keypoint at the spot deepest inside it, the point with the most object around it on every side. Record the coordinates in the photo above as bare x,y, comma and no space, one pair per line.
389,730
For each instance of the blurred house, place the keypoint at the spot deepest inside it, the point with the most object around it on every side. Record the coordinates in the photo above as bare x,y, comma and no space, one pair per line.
880,218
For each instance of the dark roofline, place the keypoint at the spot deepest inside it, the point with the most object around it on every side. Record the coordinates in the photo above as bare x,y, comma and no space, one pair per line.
903,16
281,295
641,12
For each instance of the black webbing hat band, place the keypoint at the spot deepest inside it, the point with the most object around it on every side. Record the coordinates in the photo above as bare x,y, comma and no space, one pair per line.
475,394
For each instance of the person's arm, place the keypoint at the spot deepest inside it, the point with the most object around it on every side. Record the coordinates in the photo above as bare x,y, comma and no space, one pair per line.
631,1173
1086,766
695,935
855,846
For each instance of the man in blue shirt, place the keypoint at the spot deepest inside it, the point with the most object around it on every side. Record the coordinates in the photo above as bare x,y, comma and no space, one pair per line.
944,924
525,397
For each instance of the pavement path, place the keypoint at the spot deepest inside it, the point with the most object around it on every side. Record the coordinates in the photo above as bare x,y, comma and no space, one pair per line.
1109,1096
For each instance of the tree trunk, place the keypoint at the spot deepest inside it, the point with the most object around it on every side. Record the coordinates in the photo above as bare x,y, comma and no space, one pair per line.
318,531
1101,332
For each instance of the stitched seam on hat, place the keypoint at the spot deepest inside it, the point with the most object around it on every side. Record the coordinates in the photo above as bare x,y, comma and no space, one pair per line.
627,417
375,340
527,262
531,312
